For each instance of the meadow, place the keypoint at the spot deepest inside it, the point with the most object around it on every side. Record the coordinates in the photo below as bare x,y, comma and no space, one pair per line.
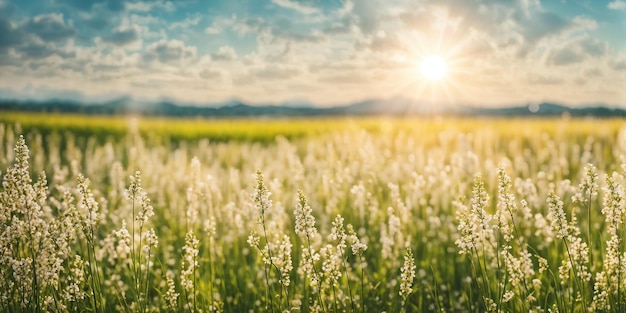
108,214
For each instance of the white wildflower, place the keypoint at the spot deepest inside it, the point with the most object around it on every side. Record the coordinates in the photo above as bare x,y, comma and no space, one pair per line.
305,222
556,216
407,274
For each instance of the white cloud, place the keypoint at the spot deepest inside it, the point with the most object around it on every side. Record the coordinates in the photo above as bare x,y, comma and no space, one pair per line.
365,47
170,51
617,5
539,79
50,27
277,72
138,6
142,6
143,19
118,62
211,74
584,23
186,23
244,80
225,53
249,25
123,36
594,47
593,72
570,49
219,24
296,6
619,62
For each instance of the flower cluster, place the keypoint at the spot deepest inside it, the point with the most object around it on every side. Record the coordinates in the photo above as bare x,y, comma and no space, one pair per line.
305,222
407,274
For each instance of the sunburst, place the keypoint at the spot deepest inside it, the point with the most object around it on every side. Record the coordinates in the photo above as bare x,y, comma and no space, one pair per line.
434,68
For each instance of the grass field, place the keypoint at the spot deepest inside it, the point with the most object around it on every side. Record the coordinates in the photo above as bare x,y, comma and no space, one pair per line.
311,215
266,129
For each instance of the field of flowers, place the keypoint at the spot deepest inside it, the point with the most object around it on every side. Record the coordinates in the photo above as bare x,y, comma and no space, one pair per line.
410,215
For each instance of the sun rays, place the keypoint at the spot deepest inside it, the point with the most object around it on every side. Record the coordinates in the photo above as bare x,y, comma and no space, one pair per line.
437,64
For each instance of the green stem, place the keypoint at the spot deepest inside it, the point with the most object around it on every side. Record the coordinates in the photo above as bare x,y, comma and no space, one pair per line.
317,276
147,279
589,231
211,275
269,252
362,284
345,269
578,284
34,263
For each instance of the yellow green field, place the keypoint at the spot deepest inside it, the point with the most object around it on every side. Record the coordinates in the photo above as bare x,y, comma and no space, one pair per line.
311,215
266,129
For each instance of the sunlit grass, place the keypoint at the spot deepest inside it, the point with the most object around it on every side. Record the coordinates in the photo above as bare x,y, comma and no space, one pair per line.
266,129
309,215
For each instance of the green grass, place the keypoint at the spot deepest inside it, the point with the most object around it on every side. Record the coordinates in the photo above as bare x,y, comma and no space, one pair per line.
220,130
266,129
406,176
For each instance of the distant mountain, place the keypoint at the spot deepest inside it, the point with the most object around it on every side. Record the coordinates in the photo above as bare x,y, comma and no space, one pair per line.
236,108
548,109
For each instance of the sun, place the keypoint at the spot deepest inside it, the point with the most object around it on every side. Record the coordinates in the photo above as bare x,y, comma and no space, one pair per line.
434,68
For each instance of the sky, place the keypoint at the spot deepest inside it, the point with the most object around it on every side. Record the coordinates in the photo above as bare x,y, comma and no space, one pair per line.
312,51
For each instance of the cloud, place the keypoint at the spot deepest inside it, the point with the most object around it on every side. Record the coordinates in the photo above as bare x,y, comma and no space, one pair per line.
352,78
95,21
577,51
366,46
36,38
83,5
170,51
619,63
274,36
581,23
11,35
542,24
538,79
382,43
224,53
88,5
493,17
564,56
593,72
617,5
186,23
250,25
37,50
314,37
296,6
210,74
123,36
368,15
147,6
115,64
594,47
220,23
277,72
417,19
574,27
115,5
50,28
244,80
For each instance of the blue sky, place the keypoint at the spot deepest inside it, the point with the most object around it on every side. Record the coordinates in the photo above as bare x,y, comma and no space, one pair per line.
326,52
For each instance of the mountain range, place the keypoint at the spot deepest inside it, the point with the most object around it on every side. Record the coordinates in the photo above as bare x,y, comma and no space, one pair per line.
236,108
